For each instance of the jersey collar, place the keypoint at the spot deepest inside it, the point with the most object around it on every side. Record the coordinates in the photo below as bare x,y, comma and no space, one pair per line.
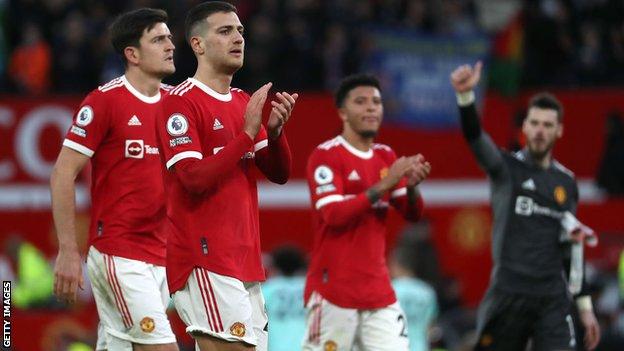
361,154
208,90
147,99
525,156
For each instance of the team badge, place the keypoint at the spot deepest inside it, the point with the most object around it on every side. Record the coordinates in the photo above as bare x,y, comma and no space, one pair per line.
238,329
323,175
147,325
560,195
330,345
177,124
383,173
84,116
486,340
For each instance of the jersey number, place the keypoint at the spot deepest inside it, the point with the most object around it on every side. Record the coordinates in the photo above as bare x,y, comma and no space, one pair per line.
401,319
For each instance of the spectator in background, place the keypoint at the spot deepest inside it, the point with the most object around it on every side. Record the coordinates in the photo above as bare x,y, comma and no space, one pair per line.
75,66
261,48
454,17
611,172
32,286
549,46
590,54
283,294
29,67
416,297
417,15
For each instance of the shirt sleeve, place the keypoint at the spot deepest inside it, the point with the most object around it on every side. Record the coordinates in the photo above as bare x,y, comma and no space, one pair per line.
177,130
487,153
89,125
273,157
327,191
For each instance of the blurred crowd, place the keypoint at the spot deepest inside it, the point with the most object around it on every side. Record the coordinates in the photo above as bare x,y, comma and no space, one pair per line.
61,46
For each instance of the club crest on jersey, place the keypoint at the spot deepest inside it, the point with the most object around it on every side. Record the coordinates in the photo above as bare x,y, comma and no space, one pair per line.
383,173
486,340
323,175
84,116
177,124
238,329
330,345
134,148
147,325
560,194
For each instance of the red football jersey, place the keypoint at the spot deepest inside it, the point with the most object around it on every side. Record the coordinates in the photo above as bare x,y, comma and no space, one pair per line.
218,229
116,126
348,265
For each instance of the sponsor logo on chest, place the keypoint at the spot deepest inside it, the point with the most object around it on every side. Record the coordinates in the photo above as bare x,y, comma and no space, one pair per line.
136,148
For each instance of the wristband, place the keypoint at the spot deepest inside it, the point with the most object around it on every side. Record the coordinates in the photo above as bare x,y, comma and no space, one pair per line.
373,195
584,303
466,98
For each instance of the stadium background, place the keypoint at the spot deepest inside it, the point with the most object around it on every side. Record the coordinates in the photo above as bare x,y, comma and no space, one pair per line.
53,52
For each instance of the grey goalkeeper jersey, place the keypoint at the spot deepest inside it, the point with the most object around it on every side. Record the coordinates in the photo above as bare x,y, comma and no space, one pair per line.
528,203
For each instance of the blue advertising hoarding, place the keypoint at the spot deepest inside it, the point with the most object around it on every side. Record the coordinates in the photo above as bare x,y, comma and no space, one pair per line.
414,71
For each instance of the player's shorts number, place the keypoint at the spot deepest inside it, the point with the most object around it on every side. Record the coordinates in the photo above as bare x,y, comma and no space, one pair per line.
401,320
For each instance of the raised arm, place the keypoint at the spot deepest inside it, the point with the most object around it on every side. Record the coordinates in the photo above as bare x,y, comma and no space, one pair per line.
464,79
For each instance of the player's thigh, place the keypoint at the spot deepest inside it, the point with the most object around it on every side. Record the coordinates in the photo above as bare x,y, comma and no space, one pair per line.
505,323
216,306
129,301
329,327
159,347
383,329
210,343
554,329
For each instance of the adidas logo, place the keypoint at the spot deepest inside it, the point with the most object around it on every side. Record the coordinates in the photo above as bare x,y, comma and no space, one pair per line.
134,121
529,184
354,175
217,124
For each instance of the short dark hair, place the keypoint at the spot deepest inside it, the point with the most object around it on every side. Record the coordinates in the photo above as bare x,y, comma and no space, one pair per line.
201,11
127,29
351,82
547,101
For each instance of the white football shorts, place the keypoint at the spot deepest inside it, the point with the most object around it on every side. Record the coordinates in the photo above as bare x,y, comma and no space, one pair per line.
131,298
333,328
223,307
